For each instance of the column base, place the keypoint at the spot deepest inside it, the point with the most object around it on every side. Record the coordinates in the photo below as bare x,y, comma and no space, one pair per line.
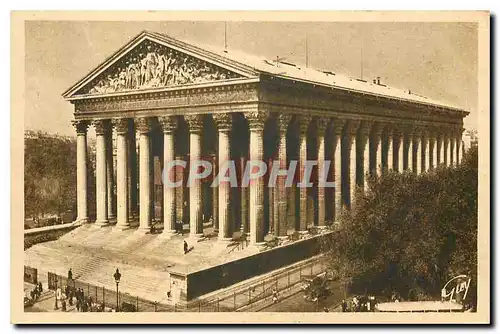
168,234
143,230
122,227
196,237
258,245
225,240
101,223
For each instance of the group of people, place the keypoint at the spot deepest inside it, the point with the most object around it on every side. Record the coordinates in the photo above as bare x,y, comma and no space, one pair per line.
36,292
359,304
82,303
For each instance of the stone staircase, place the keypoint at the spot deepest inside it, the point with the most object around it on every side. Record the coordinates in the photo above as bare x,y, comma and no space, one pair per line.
142,282
93,253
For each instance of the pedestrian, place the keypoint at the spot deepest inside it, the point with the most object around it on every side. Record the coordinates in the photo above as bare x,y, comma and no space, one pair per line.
66,291
78,305
63,305
185,247
70,275
355,302
344,305
71,294
40,287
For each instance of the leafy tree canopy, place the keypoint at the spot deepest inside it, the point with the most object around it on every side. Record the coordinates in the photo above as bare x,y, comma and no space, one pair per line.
409,234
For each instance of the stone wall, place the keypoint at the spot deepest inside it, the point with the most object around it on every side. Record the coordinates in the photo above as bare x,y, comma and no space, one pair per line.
218,277
34,236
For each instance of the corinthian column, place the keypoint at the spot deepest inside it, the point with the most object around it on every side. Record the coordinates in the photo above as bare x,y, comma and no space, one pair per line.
446,147
390,148
195,191
101,127
364,152
440,149
245,228
338,130
256,122
303,125
110,174
168,125
132,171
408,150
281,192
322,172
432,150
425,151
452,150
224,125
376,149
122,125
81,170
351,165
144,127
417,151
459,146
399,150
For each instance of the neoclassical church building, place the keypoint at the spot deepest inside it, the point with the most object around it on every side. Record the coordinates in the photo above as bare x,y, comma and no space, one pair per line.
180,101
159,99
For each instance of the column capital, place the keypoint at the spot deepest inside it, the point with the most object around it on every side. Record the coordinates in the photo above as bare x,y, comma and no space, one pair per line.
377,128
399,132
223,121
338,126
80,126
195,123
321,125
282,122
167,123
102,126
143,125
256,119
365,128
121,125
303,121
352,127
389,129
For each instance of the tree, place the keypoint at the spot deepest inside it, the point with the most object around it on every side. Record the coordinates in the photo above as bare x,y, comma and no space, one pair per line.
409,233
50,174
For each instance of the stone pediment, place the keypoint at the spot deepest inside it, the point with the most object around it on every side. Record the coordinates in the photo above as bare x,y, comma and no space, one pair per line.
151,65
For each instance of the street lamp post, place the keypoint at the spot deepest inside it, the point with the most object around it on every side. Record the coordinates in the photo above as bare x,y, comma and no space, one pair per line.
56,307
117,277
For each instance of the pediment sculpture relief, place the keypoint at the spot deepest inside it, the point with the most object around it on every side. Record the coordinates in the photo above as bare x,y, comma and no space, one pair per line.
151,65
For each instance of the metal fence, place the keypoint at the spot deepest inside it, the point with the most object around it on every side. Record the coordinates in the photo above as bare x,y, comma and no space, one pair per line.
239,299
108,298
261,292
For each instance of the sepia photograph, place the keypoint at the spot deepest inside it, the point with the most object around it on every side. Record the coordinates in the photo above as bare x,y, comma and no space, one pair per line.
250,168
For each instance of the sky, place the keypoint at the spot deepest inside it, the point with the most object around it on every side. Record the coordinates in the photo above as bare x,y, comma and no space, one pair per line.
437,60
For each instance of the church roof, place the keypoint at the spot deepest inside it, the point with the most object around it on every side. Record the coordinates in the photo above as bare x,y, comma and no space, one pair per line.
249,66
325,77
